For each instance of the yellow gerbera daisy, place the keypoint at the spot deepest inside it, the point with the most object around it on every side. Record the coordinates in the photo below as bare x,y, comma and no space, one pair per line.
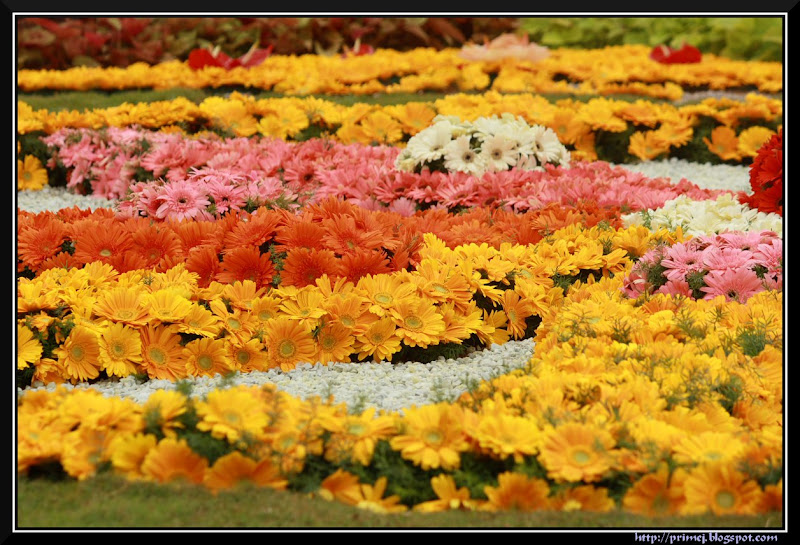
163,408
167,305
657,493
722,489
418,323
207,357
353,437
385,291
120,350
127,452
379,340
29,350
200,321
576,452
31,174
124,305
249,356
232,414
289,343
334,344
432,436
505,435
448,497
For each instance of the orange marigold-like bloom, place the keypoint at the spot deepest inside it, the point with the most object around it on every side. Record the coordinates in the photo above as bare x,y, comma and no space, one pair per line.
246,263
303,266
724,143
516,491
722,489
234,468
173,459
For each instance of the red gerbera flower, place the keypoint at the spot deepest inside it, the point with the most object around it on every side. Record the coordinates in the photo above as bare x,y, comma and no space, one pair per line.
246,263
766,177
303,266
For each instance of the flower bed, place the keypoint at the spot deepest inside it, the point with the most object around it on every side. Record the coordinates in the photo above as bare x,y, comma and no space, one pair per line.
395,235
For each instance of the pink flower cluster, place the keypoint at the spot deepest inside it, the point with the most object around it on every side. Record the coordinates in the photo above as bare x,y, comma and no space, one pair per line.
203,178
733,264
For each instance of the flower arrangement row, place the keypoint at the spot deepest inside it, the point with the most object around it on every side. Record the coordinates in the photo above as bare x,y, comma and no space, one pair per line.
714,130
468,295
332,236
659,405
609,70
169,176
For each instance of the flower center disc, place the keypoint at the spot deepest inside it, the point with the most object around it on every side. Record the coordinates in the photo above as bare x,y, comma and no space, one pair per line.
725,499
412,322
286,349
205,361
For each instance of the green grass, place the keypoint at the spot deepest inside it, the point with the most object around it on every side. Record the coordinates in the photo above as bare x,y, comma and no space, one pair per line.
108,501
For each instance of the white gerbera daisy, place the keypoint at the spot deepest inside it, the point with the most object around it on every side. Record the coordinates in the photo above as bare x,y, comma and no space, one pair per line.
429,144
499,152
549,147
459,156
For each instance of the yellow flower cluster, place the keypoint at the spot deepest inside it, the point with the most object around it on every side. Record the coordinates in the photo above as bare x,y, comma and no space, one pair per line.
658,127
610,70
682,398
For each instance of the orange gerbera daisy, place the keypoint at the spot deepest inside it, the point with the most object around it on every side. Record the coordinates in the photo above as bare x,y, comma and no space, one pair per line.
576,452
300,232
289,343
341,486
234,468
303,266
657,493
155,242
162,353
583,498
721,488
259,229
173,459
207,357
40,242
448,497
358,263
204,262
432,436
724,143
343,235
80,354
100,241
246,263
517,492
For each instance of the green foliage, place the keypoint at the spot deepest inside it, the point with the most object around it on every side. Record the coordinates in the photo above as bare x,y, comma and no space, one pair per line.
476,472
747,38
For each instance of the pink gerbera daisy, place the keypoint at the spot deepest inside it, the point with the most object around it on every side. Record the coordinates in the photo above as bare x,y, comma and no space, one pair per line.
735,284
716,258
676,287
180,200
680,261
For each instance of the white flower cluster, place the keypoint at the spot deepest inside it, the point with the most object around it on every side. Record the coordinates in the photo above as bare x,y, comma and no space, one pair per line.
488,144
708,217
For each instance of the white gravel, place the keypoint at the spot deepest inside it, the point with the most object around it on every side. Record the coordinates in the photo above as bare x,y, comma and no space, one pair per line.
387,386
